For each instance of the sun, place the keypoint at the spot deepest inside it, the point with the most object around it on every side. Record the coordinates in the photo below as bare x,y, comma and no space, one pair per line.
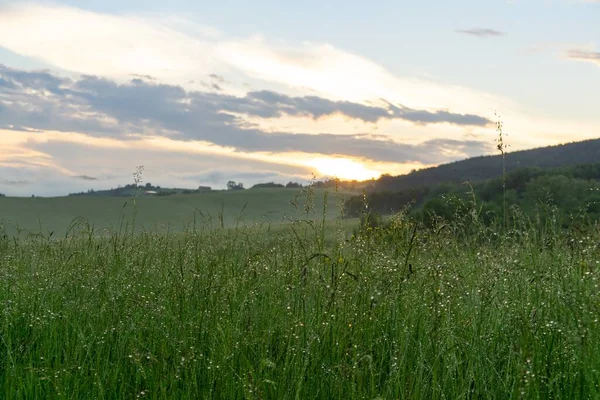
343,168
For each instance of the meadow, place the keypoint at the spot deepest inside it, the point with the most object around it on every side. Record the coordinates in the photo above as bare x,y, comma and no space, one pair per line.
311,307
158,214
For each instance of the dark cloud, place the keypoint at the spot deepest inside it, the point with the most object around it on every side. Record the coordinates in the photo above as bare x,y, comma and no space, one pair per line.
86,178
216,82
481,32
16,127
7,84
39,100
217,78
16,183
213,86
582,55
268,104
427,117
141,76
36,80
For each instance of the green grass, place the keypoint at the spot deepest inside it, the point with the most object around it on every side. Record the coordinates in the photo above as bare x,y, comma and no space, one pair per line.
222,208
303,310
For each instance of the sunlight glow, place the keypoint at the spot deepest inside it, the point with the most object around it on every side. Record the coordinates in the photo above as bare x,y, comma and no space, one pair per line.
343,168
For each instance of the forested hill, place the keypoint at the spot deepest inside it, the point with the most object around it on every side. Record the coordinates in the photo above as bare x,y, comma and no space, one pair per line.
571,190
487,167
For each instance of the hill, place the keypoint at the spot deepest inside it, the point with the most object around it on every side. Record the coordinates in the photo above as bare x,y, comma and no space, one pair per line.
219,208
487,167
572,191
130,190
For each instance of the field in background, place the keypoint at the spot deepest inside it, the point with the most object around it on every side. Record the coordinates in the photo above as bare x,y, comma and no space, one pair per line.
222,208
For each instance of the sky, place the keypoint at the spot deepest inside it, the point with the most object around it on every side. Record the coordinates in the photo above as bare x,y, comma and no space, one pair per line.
201,93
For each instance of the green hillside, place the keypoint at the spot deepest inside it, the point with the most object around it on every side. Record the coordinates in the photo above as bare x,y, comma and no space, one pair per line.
155,212
570,191
487,167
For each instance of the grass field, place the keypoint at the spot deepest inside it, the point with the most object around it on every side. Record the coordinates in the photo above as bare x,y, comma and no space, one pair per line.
307,309
220,208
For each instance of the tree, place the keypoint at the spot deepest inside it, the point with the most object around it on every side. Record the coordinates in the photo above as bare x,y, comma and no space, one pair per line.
231,185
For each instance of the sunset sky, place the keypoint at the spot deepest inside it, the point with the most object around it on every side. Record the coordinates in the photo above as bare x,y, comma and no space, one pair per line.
201,92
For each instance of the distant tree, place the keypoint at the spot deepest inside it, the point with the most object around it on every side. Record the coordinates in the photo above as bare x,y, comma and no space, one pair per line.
327,183
2,195
232,185
293,185
267,185
166,193
148,185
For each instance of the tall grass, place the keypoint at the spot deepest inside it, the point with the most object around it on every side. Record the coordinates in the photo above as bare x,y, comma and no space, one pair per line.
502,147
299,311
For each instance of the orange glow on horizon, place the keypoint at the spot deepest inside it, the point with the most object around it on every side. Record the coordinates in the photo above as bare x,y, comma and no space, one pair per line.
343,168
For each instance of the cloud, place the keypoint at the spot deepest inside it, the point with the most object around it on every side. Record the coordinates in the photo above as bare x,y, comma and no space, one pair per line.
15,183
7,84
102,107
88,42
481,32
147,99
168,163
146,77
217,78
427,117
53,163
583,55
268,104
25,181
85,178
44,104
117,46
53,157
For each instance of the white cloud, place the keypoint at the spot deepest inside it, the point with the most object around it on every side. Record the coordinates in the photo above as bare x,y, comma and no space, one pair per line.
178,51
584,55
102,44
